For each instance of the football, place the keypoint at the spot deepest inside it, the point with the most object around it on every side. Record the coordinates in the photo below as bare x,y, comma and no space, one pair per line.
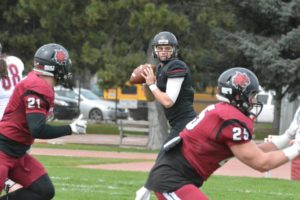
136,75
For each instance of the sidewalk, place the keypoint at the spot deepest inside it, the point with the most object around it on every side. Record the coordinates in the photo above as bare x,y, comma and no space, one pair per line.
232,168
101,139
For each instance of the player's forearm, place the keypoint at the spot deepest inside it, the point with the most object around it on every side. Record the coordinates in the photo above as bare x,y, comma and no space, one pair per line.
51,132
148,94
269,161
267,147
163,98
39,129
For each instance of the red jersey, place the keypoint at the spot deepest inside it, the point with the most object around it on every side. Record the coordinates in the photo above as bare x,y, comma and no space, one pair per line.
31,95
206,139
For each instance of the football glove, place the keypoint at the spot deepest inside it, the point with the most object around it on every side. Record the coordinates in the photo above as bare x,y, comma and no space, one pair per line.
78,126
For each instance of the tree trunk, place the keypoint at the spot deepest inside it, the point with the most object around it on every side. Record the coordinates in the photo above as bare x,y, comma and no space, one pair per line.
277,113
158,125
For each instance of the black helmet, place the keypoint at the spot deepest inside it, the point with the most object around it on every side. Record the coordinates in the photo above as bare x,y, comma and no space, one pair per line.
165,38
53,60
238,86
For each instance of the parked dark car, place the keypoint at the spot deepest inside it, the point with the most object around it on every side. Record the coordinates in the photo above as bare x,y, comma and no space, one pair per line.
65,108
91,106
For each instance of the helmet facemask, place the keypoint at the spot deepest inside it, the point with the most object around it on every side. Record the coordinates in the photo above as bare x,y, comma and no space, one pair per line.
170,50
255,106
249,105
63,76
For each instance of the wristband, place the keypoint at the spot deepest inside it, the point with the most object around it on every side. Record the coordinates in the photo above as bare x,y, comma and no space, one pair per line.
291,152
152,87
281,141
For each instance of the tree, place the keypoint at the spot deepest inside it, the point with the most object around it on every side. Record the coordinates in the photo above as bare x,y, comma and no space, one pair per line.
158,127
269,43
110,38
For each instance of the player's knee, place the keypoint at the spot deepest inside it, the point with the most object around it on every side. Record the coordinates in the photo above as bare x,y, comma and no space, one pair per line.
48,192
43,187
191,192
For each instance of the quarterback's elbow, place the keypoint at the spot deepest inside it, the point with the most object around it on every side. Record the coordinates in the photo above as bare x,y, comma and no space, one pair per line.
168,104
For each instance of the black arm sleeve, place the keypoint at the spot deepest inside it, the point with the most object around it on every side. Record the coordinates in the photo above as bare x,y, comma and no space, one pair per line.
39,129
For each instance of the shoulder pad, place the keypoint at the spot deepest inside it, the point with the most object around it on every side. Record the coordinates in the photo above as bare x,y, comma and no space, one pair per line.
176,68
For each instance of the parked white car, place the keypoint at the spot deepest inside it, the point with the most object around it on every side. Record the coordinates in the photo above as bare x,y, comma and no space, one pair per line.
267,99
92,106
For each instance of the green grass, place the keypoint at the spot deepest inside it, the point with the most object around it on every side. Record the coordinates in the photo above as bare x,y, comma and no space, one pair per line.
237,188
262,130
76,183
65,161
72,182
93,147
83,184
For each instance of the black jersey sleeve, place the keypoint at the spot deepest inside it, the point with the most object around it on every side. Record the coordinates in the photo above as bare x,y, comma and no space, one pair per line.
39,129
176,68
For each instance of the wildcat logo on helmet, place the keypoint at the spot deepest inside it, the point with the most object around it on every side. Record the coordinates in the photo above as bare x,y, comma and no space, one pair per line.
240,80
61,57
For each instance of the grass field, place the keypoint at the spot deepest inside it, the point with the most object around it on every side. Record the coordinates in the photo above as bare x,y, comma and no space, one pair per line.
72,182
75,183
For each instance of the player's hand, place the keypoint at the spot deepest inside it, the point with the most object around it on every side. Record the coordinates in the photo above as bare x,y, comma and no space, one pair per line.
149,75
142,194
78,126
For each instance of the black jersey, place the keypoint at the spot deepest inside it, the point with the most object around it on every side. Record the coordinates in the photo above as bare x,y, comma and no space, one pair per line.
183,107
